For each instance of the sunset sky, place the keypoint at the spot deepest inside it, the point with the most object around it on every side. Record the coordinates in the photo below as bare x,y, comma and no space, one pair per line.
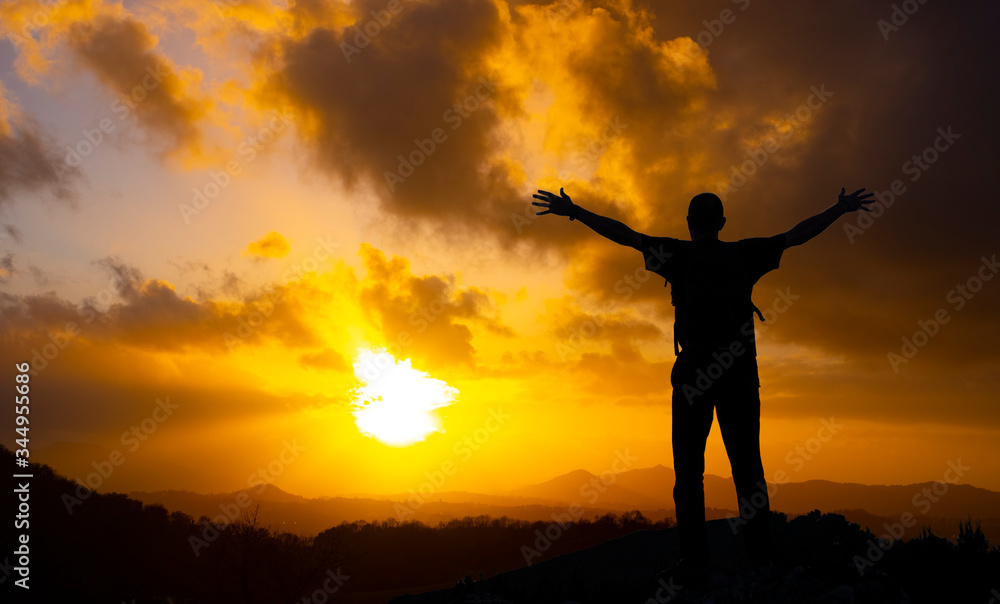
233,206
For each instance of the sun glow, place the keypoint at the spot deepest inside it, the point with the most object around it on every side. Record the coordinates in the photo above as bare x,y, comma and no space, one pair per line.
396,404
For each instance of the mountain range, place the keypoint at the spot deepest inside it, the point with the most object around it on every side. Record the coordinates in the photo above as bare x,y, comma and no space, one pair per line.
938,505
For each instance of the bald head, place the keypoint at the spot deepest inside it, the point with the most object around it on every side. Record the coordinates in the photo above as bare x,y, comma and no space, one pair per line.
705,212
705,217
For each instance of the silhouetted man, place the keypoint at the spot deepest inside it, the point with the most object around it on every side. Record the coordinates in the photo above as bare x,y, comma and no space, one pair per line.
716,367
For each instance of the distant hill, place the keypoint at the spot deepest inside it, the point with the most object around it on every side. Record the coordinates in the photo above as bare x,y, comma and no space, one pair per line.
302,516
957,501
585,489
632,489
654,486
262,493
939,506
647,489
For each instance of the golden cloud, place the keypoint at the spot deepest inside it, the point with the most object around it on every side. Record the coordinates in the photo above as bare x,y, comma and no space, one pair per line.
272,245
121,52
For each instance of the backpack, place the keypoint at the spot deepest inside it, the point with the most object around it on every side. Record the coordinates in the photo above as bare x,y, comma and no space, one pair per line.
711,294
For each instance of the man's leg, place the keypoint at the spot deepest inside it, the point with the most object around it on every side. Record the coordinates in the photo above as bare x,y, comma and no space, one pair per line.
738,408
692,421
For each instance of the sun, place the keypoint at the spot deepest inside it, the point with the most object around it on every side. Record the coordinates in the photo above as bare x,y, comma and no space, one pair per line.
396,404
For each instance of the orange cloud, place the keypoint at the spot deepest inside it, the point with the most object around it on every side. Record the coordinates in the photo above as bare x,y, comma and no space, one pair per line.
429,318
121,52
272,245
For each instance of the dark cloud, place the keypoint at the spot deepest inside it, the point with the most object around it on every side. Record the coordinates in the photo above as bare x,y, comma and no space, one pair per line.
368,108
149,314
621,375
7,269
39,276
122,54
619,325
11,231
209,283
366,102
920,394
29,162
890,97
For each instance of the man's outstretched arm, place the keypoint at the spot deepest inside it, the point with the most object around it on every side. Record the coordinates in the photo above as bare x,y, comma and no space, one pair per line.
810,227
562,205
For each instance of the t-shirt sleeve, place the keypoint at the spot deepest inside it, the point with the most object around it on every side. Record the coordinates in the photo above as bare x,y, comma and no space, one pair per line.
762,254
658,252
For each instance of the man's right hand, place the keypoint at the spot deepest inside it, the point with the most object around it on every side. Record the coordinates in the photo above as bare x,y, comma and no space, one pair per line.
855,201
560,205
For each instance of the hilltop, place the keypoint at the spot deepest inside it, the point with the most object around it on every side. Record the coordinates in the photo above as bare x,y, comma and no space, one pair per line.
820,558
154,555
